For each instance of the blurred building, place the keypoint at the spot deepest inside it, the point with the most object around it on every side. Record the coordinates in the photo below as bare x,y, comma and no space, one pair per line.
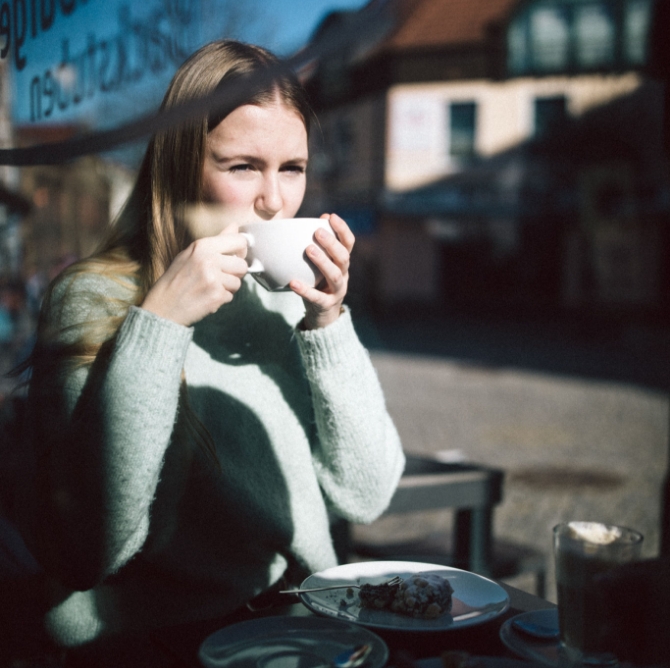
49,215
72,203
499,154
13,206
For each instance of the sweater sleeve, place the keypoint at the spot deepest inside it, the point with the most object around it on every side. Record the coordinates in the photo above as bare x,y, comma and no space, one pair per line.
358,457
104,429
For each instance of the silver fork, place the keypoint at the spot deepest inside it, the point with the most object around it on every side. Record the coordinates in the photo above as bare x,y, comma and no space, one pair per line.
393,581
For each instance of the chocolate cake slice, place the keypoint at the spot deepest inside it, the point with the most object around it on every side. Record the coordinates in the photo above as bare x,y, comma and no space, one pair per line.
424,595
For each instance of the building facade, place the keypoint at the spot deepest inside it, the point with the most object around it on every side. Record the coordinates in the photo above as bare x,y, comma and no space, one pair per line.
72,204
491,152
12,205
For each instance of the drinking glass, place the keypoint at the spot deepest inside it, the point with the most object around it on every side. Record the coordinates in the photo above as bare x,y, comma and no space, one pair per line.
582,551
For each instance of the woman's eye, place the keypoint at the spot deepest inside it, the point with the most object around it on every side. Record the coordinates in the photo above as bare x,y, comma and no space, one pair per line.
241,168
294,169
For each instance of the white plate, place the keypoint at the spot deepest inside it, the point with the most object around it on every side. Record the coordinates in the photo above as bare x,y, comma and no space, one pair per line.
545,652
288,642
475,600
479,661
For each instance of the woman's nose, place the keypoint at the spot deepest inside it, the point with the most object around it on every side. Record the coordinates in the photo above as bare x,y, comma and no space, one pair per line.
270,201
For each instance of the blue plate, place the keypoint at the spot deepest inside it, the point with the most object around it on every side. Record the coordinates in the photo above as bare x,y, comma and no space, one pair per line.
545,652
288,642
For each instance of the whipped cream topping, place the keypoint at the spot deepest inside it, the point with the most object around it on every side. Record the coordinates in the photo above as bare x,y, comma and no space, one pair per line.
593,532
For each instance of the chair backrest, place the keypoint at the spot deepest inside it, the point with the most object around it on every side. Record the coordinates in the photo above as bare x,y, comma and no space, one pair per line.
428,483
15,557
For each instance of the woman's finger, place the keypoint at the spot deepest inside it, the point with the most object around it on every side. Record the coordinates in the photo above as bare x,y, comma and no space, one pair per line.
321,309
334,249
330,270
318,298
231,282
341,229
232,264
227,244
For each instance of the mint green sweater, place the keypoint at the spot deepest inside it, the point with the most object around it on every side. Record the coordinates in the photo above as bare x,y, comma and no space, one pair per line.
137,526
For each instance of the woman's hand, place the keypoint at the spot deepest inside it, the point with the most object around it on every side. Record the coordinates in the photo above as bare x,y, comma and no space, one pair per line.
200,279
324,304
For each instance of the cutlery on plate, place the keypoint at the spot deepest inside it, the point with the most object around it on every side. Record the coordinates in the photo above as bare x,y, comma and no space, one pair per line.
390,583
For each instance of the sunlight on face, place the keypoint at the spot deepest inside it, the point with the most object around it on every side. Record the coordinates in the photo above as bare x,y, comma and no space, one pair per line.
255,162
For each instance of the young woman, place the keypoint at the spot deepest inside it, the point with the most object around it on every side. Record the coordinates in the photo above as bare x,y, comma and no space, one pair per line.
193,431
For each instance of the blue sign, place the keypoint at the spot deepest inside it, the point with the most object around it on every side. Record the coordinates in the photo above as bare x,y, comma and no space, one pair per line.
70,58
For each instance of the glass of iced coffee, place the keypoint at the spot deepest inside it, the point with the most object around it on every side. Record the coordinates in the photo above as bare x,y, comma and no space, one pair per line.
582,551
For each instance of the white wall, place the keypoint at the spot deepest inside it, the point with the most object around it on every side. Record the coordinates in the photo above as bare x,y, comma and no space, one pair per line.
417,150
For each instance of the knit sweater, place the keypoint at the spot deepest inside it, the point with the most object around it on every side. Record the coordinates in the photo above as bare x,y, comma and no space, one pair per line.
137,525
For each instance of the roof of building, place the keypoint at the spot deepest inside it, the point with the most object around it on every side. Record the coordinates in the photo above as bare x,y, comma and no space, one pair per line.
438,23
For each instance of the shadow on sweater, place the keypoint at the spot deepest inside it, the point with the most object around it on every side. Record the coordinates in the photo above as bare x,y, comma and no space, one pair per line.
245,332
214,534
237,515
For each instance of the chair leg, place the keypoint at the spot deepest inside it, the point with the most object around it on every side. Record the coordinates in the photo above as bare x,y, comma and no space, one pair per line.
472,540
340,531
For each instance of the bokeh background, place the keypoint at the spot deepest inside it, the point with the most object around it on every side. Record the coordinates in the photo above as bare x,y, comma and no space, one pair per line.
504,165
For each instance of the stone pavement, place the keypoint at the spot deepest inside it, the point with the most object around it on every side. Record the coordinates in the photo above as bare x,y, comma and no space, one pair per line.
578,417
579,425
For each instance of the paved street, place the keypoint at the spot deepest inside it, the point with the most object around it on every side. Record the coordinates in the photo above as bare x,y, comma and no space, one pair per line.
580,425
579,420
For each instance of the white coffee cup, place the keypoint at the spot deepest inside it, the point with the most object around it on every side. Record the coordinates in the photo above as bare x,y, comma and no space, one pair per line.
276,254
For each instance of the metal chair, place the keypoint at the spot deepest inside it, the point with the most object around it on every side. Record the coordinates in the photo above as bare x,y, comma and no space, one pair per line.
472,491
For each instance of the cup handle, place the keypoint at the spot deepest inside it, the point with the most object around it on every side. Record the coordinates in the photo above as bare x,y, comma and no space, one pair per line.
256,266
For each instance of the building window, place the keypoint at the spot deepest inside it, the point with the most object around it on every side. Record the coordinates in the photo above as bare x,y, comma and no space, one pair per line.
462,129
549,36
549,113
339,139
517,47
637,24
595,35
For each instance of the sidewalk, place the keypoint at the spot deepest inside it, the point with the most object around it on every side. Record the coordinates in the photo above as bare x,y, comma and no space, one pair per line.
578,420
577,417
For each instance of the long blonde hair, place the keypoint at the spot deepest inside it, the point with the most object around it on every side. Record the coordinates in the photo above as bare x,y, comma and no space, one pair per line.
171,173
149,231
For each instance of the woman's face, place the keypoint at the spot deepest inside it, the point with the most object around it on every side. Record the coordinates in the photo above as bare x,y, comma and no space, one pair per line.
255,164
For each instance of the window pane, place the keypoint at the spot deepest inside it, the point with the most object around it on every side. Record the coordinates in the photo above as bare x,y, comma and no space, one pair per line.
550,38
549,112
636,28
595,35
343,144
517,48
462,121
